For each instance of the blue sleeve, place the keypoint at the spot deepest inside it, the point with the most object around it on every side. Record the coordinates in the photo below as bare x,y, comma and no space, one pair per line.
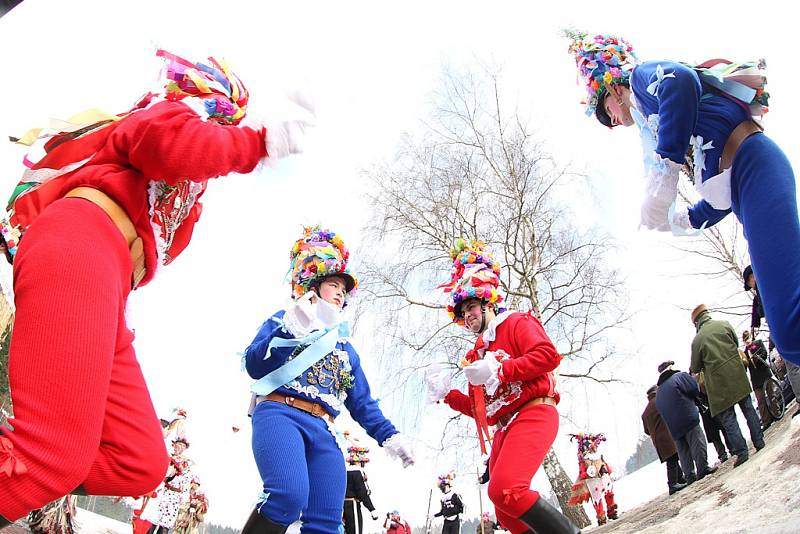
256,362
362,407
702,212
676,101
688,385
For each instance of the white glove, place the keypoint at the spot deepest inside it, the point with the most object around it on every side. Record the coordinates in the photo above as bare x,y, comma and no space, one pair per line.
329,314
374,515
660,192
484,372
285,135
437,380
400,447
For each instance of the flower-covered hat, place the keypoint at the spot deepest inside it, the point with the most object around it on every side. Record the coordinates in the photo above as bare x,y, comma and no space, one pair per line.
475,274
356,452
317,255
587,442
223,93
446,480
602,60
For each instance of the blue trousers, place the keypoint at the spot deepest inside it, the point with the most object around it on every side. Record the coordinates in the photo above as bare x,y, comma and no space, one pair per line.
302,468
764,198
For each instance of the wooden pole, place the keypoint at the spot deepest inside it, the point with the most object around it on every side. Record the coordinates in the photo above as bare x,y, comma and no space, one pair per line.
428,524
480,498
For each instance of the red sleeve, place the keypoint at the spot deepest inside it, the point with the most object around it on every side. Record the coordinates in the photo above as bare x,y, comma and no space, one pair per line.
459,402
170,142
538,354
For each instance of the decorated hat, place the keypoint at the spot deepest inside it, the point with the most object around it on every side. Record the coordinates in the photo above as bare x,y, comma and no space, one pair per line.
445,480
475,274
181,439
356,452
602,60
588,442
223,93
317,255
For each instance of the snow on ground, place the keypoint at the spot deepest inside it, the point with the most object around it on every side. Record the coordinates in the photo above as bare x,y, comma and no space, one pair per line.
759,496
87,522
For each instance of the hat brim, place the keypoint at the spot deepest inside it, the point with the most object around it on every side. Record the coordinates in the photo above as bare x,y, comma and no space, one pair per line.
600,111
349,281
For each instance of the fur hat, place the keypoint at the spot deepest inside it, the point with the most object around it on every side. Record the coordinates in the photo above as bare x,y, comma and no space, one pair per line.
698,310
664,365
745,275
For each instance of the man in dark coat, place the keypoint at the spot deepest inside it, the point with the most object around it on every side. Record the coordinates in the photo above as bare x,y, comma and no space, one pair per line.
756,355
656,428
715,351
675,403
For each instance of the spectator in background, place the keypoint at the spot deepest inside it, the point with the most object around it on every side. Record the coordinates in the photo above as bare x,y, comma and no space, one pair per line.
394,524
656,428
712,428
715,351
675,403
756,356
757,312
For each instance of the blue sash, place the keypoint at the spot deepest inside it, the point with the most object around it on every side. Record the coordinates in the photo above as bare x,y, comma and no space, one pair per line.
320,344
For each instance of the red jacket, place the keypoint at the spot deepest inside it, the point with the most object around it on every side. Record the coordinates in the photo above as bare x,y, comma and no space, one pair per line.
167,142
527,373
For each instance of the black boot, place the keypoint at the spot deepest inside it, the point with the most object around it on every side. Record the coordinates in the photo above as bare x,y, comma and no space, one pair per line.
544,518
258,524
4,522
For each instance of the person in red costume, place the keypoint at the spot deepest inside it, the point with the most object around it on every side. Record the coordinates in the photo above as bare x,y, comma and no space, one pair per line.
110,201
512,385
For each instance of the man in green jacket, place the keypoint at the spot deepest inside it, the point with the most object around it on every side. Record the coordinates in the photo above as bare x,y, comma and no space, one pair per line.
715,352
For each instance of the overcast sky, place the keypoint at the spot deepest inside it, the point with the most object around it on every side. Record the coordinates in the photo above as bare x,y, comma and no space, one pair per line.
371,67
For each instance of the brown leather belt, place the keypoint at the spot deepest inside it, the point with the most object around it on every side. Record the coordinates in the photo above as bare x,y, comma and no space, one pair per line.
503,420
735,140
314,408
122,222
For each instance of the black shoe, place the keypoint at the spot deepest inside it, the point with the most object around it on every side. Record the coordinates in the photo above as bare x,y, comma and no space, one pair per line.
740,459
544,518
724,458
691,479
4,522
258,524
760,446
796,412
707,471
675,488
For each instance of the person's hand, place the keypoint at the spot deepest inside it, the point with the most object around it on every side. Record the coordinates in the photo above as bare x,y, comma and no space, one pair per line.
287,132
400,447
374,515
484,372
437,382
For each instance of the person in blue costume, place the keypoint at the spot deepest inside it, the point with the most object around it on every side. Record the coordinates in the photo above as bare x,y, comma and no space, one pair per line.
305,371
700,120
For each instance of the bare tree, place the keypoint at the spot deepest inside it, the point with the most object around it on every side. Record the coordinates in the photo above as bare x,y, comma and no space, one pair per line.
723,255
479,172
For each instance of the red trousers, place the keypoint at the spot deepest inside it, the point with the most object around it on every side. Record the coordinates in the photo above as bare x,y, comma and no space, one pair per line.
82,412
517,453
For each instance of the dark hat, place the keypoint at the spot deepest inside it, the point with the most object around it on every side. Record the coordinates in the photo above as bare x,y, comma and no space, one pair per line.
745,275
663,365
181,439
652,390
600,111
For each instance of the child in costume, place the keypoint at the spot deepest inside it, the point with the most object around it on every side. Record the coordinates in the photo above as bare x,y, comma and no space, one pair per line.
700,120
306,370
109,201
162,512
594,480
357,492
452,507
512,384
193,511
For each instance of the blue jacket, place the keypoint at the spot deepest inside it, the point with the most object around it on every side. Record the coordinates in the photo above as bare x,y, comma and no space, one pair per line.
684,108
334,381
675,402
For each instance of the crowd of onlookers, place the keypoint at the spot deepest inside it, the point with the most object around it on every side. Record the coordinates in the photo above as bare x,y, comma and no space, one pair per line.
688,410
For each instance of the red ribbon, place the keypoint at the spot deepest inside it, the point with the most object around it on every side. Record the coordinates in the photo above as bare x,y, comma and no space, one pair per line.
11,465
479,409
508,493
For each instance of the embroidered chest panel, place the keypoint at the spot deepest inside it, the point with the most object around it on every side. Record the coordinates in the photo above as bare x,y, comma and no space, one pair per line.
170,205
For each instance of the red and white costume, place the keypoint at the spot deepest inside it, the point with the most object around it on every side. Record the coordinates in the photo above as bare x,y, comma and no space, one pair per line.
82,411
525,431
594,480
